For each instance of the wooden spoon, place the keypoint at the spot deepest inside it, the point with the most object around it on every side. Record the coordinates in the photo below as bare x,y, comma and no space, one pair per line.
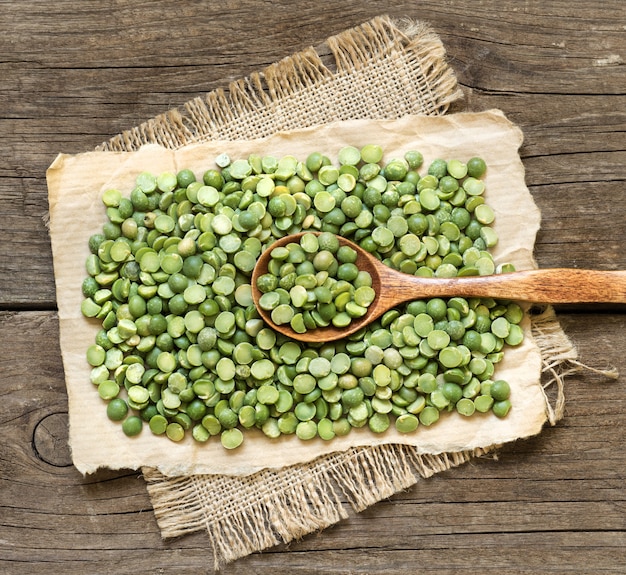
550,286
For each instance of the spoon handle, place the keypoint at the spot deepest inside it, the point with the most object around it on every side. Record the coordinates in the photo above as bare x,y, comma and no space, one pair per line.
550,286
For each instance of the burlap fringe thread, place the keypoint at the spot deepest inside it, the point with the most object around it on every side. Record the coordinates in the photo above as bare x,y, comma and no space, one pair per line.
382,69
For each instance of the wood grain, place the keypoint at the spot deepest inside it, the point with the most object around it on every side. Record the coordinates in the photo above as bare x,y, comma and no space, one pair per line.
544,503
73,74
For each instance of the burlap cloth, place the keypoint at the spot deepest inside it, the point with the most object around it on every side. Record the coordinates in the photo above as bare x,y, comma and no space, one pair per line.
383,69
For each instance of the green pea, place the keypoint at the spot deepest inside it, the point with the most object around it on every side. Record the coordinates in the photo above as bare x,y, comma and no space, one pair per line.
117,409
352,397
108,389
457,169
325,429
414,159
200,434
476,167
95,355
407,423
132,426
416,406
427,382
158,424
341,427
453,392
305,411
500,390
473,186
138,394
211,424
262,369
349,155
381,338
304,383
371,153
438,339
351,206
231,438
515,336
483,403
429,415
347,272
501,408
379,422
306,430
465,407
267,395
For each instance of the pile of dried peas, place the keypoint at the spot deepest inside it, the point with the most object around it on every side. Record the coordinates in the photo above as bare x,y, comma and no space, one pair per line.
182,348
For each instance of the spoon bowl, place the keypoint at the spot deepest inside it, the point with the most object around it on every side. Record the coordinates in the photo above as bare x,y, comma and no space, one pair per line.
365,262
392,287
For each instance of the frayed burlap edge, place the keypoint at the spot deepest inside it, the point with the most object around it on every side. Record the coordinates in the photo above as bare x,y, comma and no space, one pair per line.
273,507
559,358
299,500
271,100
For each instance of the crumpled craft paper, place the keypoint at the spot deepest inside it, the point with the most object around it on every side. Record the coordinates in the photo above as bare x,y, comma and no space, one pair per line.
75,184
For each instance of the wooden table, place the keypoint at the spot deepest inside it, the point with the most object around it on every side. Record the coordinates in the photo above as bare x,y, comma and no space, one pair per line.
73,74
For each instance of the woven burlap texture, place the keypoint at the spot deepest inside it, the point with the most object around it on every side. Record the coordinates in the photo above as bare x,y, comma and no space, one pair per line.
382,69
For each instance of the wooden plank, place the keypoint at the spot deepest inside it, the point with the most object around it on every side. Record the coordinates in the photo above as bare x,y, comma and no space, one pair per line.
74,74
93,97
545,501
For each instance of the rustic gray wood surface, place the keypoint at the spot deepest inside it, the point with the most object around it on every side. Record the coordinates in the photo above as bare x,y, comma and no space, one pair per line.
74,73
